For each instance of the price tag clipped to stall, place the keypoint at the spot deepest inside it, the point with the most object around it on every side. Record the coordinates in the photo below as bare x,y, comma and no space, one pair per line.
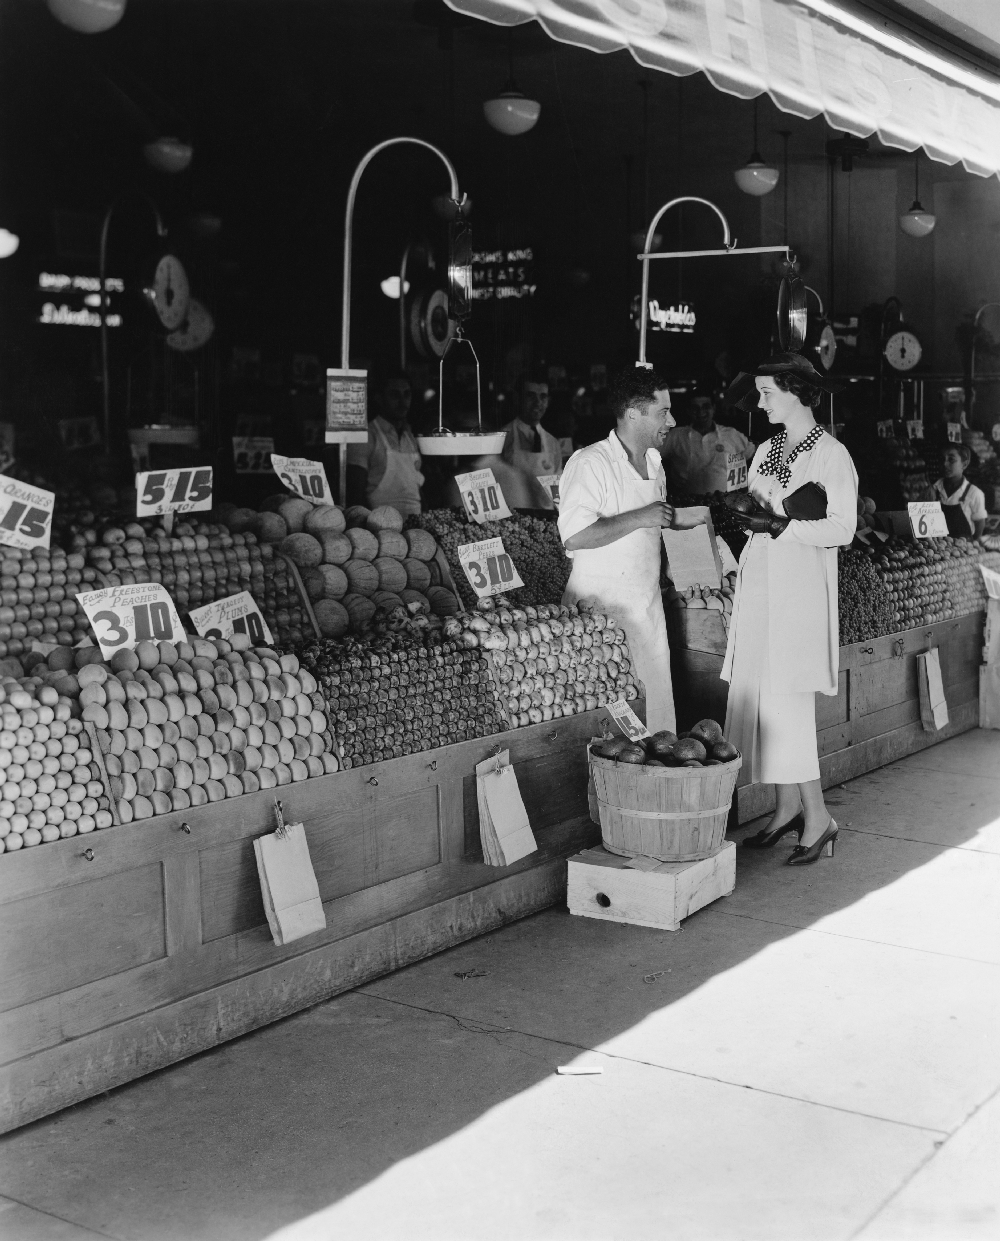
307,479
482,496
954,433
25,514
927,521
551,484
234,614
627,720
488,567
252,453
884,429
158,492
125,615
915,429
736,471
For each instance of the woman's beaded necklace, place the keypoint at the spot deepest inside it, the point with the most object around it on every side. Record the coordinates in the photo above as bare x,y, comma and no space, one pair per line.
773,464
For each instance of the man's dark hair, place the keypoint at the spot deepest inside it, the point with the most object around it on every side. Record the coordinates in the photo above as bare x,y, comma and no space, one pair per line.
808,394
964,451
532,375
635,387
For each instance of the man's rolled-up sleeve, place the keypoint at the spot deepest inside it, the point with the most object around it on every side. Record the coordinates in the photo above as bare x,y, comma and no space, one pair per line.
583,495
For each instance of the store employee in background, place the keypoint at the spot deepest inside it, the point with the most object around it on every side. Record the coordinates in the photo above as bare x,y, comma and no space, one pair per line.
529,448
613,507
386,470
703,458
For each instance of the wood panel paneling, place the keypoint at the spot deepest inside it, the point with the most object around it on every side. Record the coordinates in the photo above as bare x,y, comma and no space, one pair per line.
90,931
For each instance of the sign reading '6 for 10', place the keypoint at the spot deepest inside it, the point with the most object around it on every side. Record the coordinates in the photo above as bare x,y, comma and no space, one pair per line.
25,514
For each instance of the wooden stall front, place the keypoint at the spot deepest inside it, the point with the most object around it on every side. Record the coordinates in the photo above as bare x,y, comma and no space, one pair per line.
129,949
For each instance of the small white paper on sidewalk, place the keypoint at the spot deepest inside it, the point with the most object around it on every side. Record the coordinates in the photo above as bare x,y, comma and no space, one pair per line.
288,885
504,829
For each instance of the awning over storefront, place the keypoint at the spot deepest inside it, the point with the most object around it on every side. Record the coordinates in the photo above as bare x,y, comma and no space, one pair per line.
810,56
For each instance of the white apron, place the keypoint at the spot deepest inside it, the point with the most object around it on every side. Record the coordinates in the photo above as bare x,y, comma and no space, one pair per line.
400,484
623,580
534,464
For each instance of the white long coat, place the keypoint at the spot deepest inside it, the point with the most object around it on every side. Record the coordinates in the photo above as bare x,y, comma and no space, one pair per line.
803,628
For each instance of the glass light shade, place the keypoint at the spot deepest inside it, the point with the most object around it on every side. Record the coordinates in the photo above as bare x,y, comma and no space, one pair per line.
390,287
917,222
88,16
168,154
756,177
8,243
511,113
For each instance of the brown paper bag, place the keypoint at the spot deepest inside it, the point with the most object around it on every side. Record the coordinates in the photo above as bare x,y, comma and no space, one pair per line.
933,707
288,884
989,696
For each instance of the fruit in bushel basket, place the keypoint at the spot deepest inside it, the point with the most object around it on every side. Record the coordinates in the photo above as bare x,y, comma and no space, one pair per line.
723,752
633,754
610,747
708,732
689,749
661,743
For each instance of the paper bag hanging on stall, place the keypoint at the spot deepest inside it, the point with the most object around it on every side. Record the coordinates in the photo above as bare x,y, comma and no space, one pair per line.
989,696
933,707
288,884
504,830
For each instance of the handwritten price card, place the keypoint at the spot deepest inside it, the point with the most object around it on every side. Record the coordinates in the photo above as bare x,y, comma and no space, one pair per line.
173,491
927,521
627,720
488,567
306,479
252,453
234,614
25,514
123,616
482,496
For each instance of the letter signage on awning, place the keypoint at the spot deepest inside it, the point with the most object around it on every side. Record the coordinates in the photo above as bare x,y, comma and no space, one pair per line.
811,57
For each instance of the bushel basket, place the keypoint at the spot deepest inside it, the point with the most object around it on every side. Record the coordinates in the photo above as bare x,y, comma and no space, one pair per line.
673,814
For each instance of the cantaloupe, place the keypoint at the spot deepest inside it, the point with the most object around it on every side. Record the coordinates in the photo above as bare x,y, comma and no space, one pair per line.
385,517
337,547
387,601
391,543
335,583
414,599
359,609
271,527
418,575
302,549
364,544
295,512
312,580
442,601
391,574
362,576
240,520
324,517
421,544
356,515
273,503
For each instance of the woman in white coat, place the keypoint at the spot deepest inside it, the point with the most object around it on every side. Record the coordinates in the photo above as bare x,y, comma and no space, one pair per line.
784,636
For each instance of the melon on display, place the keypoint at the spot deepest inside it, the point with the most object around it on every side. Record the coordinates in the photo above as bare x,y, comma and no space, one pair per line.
314,582
356,515
421,544
335,583
302,549
332,618
359,609
362,576
337,547
391,574
325,517
295,512
391,543
442,601
364,543
418,575
271,527
385,517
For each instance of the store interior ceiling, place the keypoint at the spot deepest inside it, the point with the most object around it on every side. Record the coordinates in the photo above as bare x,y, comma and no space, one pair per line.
280,98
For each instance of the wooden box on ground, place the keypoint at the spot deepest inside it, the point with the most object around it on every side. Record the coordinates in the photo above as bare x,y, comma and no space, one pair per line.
874,718
155,947
604,885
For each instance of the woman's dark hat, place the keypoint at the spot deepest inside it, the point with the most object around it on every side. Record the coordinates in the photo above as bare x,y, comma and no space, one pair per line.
742,392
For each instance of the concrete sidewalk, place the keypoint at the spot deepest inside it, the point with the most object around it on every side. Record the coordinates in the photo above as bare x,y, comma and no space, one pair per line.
815,1056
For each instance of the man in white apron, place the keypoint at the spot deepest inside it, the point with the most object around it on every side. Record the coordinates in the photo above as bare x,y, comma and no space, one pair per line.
703,458
613,509
529,448
386,470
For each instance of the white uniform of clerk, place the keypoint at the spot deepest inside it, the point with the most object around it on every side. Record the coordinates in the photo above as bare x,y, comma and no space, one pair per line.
703,458
386,470
529,448
613,506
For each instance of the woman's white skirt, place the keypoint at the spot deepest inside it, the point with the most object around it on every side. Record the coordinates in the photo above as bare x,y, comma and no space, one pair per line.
775,733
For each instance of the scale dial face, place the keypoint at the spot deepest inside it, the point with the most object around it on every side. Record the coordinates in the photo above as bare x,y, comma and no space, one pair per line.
195,331
902,350
827,346
168,292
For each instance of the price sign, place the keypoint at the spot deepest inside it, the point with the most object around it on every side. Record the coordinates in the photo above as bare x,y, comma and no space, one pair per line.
884,429
736,471
954,433
252,453
482,496
235,614
172,491
915,430
551,484
627,720
488,567
305,478
125,615
346,406
927,521
79,432
25,514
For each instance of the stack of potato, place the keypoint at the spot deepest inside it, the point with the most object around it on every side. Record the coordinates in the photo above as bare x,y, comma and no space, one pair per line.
353,563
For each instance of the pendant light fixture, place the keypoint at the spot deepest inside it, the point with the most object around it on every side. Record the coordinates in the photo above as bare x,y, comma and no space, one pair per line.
756,177
8,243
168,154
511,112
917,222
88,16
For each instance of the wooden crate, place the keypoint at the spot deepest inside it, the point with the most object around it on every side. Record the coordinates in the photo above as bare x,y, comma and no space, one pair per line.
874,718
604,885
132,948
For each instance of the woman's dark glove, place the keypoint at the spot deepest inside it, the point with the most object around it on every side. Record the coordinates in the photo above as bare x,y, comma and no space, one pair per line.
762,522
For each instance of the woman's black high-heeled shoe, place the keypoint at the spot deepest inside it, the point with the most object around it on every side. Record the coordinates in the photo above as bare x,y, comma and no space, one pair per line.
765,839
803,855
